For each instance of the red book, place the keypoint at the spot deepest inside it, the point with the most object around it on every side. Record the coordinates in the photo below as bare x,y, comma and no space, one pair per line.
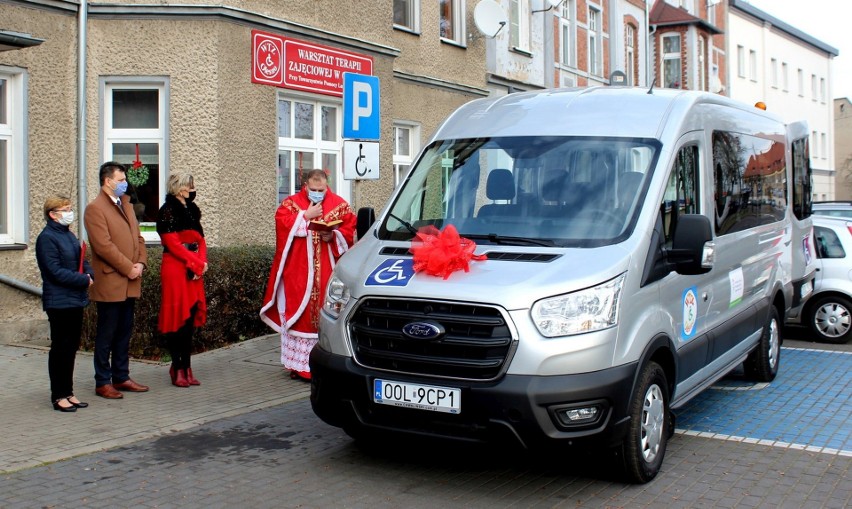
82,255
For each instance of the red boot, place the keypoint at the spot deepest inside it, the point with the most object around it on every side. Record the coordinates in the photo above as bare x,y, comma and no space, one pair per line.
180,378
300,375
172,373
191,379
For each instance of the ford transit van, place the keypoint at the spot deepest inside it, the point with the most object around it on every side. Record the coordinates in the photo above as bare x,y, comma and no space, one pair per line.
639,245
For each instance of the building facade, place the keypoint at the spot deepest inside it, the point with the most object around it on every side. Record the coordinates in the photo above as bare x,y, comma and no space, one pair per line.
843,148
241,94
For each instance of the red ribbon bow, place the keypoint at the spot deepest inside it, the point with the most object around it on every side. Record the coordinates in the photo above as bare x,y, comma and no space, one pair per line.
440,253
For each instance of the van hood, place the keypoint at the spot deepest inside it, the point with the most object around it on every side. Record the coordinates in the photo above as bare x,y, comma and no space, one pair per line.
512,278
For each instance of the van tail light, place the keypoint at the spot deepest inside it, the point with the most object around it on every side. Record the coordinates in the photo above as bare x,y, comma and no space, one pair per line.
849,227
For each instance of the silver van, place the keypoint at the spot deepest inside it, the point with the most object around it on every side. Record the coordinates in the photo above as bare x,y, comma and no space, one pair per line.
640,245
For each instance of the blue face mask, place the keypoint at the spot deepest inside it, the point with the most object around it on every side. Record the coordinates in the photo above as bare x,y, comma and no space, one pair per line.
316,196
120,189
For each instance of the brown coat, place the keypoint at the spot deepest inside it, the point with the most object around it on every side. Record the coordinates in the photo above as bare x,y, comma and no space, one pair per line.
116,245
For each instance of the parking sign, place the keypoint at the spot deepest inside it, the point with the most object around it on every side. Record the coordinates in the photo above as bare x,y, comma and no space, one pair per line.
360,106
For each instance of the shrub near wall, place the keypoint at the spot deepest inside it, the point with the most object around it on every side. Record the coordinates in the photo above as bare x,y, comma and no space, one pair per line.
234,284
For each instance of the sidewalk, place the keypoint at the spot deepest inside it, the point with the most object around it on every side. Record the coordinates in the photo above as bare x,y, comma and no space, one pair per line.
237,379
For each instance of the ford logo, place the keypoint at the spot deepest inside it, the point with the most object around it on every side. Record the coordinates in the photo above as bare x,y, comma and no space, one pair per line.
425,331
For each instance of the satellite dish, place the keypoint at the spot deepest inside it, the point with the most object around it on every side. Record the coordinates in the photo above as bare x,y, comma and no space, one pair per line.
489,18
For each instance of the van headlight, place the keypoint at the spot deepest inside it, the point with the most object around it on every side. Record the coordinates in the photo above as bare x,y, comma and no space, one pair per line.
587,310
336,297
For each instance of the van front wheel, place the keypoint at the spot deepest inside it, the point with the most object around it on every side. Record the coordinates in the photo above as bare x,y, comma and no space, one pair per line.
762,363
645,444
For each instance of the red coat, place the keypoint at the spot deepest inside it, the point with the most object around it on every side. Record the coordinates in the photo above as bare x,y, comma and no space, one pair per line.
302,265
177,226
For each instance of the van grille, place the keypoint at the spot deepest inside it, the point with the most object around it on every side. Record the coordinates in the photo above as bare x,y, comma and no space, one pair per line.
476,345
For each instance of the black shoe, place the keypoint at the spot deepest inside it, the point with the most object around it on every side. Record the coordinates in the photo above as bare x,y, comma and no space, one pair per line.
78,404
71,408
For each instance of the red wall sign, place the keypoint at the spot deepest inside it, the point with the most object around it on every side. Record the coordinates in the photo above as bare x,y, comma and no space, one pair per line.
289,63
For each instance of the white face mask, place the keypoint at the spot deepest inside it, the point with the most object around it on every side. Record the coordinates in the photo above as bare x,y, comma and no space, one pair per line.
66,218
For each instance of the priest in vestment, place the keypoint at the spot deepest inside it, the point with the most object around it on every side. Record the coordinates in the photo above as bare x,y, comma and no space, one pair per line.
303,262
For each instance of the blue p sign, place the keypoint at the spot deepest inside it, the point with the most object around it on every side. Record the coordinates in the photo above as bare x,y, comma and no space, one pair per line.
360,106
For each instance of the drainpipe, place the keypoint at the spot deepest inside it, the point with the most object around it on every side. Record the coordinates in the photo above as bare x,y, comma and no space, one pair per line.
20,285
82,198
648,70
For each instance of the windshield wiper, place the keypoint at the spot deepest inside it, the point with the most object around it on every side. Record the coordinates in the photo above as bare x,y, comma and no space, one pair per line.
405,223
512,241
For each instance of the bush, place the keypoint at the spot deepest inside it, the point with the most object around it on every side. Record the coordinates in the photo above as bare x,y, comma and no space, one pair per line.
234,285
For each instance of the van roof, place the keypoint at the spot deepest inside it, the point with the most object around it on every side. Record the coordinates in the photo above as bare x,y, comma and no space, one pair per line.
594,111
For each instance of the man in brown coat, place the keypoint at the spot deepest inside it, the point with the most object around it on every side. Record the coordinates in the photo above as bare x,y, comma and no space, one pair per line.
118,259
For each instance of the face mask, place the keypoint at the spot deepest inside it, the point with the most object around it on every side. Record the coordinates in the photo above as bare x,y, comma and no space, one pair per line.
66,218
120,189
191,196
316,196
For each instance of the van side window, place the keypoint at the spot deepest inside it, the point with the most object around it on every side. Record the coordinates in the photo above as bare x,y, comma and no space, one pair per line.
801,179
749,181
681,196
827,243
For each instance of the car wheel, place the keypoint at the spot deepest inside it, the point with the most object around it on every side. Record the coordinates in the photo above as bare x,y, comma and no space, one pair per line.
762,363
644,446
831,319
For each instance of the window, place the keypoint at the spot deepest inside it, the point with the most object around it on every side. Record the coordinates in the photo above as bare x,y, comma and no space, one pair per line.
711,13
452,20
406,144
814,143
136,129
785,77
13,195
566,33
741,63
406,14
822,90
773,73
801,82
823,145
630,54
702,64
750,181
828,245
752,65
801,178
519,25
681,196
308,138
813,87
595,67
671,61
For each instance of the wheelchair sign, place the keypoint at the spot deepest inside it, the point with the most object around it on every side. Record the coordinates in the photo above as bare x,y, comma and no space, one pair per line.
393,272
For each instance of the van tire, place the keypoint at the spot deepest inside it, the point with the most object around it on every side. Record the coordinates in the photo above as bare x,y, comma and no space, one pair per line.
762,363
644,446
835,308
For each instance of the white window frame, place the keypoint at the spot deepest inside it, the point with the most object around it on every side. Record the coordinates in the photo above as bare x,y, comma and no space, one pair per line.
316,145
160,135
630,53
568,54
741,62
752,65
671,56
822,90
413,10
823,140
15,200
814,87
785,77
814,144
457,23
413,148
519,25
595,53
773,72
801,80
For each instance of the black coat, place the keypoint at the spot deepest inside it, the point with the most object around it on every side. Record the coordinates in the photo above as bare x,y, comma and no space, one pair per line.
58,256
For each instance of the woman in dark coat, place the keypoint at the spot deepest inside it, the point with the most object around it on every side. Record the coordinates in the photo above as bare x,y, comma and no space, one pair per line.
66,277
183,306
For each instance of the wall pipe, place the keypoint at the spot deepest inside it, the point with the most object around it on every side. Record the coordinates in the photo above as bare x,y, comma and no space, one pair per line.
20,285
82,197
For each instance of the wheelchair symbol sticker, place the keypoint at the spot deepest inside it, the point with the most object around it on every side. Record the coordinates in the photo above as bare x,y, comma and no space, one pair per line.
392,272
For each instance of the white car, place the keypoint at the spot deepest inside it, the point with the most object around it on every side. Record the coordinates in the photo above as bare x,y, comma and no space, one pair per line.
828,310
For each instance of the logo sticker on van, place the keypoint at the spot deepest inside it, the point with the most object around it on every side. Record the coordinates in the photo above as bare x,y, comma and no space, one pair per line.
392,272
690,312
737,285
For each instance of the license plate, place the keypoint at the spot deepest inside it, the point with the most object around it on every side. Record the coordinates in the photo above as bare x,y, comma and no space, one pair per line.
423,397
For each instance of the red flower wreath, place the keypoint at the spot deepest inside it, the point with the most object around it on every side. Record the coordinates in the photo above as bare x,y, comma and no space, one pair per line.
440,253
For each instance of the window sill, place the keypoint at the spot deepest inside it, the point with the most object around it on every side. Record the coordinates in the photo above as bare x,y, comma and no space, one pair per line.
521,52
13,247
453,43
402,28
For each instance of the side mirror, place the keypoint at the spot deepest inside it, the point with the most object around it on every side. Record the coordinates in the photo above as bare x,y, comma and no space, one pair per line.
366,218
693,249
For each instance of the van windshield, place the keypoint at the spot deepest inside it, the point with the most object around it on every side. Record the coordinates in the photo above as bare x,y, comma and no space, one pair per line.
547,191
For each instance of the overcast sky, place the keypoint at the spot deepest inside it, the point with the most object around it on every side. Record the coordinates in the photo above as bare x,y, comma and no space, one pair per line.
829,21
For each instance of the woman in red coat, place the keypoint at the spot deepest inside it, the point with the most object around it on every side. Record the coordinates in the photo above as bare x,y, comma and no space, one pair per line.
183,306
